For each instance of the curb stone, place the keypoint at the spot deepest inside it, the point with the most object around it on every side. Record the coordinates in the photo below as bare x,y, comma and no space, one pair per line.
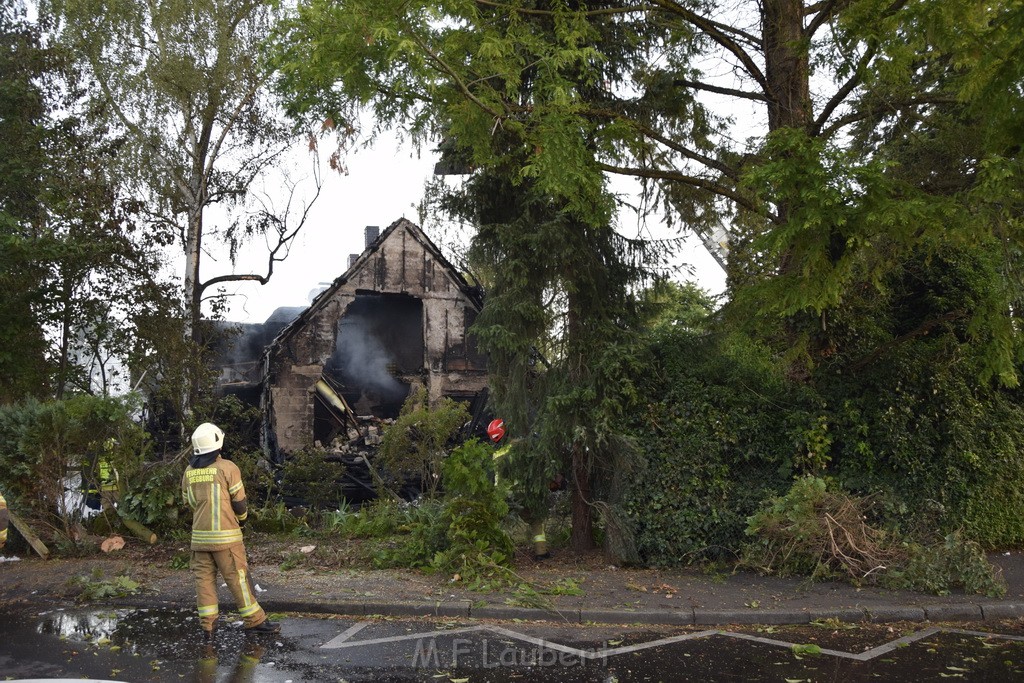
511,612
673,617
880,615
453,609
956,612
850,616
611,616
668,617
1002,610
749,616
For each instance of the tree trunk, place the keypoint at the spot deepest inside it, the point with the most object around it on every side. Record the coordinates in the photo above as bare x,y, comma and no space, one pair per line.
63,367
787,73
582,537
193,300
193,244
786,65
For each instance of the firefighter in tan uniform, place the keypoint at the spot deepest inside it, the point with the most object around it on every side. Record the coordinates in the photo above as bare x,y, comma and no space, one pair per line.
213,488
536,522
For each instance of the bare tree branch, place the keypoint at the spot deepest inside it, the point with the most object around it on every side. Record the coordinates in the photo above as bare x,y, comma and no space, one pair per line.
693,181
720,90
285,237
717,32
840,95
648,132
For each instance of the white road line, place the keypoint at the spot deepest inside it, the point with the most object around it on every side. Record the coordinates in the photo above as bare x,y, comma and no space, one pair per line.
343,641
336,642
339,643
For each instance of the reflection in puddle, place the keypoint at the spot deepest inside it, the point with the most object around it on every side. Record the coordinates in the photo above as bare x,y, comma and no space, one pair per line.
80,626
138,645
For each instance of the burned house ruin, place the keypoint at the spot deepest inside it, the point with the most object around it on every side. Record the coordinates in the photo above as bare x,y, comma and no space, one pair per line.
394,322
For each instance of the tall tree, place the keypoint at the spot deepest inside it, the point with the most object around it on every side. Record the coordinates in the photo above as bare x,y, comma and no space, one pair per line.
555,328
562,274
187,83
76,275
23,68
740,112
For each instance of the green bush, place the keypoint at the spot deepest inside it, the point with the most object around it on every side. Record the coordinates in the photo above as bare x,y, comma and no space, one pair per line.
888,400
463,534
309,476
954,562
417,442
42,444
923,430
379,519
154,497
419,534
275,519
474,509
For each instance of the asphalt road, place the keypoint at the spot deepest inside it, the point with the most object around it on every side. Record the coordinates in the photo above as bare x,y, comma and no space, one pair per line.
164,645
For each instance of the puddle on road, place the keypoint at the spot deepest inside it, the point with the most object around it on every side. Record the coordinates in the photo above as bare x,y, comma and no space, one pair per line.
132,645
165,645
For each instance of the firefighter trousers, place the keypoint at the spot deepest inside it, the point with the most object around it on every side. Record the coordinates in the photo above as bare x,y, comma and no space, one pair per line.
232,565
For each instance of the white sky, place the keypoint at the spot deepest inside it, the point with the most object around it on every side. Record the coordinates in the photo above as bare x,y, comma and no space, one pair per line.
383,184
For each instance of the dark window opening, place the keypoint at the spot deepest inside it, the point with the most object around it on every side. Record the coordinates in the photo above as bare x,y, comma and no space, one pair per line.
380,339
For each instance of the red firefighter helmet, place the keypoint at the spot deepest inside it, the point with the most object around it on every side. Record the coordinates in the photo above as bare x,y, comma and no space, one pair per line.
496,430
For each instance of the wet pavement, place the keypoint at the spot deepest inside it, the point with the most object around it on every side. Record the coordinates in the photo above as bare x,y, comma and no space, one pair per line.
165,645
620,625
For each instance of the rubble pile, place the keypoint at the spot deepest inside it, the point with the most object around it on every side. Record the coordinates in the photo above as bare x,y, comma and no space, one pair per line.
355,447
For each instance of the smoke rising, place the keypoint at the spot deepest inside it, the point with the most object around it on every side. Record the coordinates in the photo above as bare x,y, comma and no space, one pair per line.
363,361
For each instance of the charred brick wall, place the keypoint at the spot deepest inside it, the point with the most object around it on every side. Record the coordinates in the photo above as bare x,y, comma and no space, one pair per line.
395,321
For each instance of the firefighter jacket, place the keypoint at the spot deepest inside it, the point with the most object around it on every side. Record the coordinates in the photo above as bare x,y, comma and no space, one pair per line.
3,521
213,489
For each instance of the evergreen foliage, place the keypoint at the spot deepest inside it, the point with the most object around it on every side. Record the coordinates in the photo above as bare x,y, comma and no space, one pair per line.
77,278
463,533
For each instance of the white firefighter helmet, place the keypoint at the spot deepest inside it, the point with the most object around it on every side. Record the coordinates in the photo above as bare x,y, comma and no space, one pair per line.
207,438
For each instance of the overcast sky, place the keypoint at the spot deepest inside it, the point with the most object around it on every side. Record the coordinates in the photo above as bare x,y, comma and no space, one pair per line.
382,185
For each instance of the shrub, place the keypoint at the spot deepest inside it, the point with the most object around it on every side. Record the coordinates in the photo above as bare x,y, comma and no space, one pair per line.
923,430
416,443
43,445
462,534
154,497
313,479
821,533
473,512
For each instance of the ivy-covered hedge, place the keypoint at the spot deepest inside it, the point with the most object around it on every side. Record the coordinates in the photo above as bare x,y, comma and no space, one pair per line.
717,433
929,435
895,407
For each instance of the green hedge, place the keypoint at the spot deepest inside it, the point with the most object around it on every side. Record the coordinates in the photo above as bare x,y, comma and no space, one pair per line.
716,434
